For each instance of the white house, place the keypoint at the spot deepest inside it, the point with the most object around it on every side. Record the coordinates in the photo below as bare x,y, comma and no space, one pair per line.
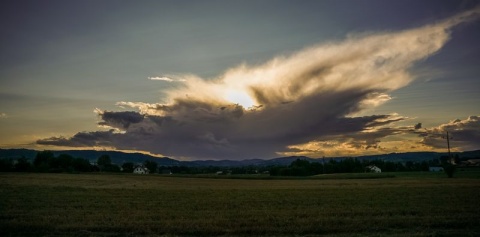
140,169
374,169
435,169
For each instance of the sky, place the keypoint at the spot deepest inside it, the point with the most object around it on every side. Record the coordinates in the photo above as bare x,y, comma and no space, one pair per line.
240,79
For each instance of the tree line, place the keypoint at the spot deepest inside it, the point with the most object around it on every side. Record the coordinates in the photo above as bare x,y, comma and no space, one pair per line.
349,165
46,161
301,167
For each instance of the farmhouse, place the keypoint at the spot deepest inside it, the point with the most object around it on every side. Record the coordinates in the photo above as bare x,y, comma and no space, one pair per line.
140,169
373,168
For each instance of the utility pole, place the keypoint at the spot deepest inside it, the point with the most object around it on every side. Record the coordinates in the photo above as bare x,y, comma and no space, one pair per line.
448,145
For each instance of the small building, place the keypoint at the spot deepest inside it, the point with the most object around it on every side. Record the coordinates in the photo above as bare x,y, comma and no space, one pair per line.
473,162
140,169
224,172
435,169
166,171
373,168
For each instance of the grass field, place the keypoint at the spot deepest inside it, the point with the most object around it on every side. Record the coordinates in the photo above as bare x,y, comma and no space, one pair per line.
397,204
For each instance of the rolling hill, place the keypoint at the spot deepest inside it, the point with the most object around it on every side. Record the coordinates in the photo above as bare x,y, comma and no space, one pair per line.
118,157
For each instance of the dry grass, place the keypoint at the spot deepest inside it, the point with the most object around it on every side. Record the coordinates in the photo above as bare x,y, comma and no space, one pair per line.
101,204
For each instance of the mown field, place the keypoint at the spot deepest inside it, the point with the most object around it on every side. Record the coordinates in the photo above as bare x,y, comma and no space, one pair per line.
418,204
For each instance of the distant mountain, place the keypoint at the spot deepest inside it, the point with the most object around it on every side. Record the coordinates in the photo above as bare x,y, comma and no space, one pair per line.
470,154
393,157
287,160
18,153
119,158
239,163
404,157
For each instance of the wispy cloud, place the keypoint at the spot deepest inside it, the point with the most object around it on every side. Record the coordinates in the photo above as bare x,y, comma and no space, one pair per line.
307,97
167,79
3,115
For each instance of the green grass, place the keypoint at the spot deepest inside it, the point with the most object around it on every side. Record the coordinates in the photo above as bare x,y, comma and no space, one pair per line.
419,204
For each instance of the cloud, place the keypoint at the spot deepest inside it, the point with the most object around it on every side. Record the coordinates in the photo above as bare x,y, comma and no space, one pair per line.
145,108
367,141
307,97
83,139
463,134
3,115
120,120
165,78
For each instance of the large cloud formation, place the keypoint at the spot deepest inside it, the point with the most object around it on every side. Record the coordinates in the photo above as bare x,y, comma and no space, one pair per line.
259,111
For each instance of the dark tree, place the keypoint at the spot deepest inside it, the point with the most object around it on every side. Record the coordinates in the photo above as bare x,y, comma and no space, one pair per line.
43,157
410,165
457,159
6,165
81,165
42,161
424,166
151,165
316,168
444,160
449,169
300,163
23,165
127,167
64,162
111,168
103,161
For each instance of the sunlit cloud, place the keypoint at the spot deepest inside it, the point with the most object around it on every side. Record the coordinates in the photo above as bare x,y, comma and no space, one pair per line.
366,142
463,134
306,102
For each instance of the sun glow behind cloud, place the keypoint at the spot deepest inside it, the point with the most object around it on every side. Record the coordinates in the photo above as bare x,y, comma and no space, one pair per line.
239,97
306,102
